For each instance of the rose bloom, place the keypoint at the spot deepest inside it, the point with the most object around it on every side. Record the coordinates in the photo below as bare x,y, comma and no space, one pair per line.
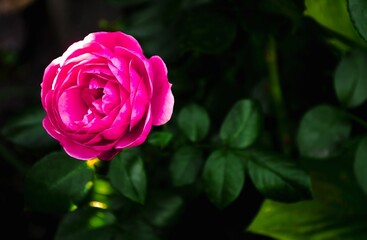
103,95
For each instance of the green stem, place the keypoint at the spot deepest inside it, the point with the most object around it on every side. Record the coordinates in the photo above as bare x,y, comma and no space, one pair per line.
356,119
277,95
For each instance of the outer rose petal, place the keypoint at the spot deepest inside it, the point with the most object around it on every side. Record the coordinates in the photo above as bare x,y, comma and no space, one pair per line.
162,101
48,78
113,39
50,128
138,98
77,150
138,135
73,149
109,154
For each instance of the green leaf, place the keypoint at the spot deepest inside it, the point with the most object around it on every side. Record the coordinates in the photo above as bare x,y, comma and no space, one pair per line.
334,182
155,219
86,224
350,79
223,177
127,175
308,220
57,182
185,165
194,122
279,178
322,131
360,165
338,211
358,14
241,126
27,131
160,139
163,210
138,229
207,32
333,14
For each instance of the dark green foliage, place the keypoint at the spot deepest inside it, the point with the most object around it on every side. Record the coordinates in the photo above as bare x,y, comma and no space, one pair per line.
223,177
127,175
26,130
322,131
242,125
360,164
279,178
270,111
318,221
350,79
57,183
207,32
194,122
88,223
357,11
160,139
185,165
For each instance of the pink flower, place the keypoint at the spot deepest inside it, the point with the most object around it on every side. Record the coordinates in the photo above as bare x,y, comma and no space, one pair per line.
103,95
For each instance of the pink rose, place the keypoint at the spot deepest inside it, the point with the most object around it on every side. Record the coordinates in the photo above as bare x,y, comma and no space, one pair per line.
103,95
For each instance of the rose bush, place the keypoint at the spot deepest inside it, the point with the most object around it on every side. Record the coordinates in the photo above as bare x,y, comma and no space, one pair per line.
103,95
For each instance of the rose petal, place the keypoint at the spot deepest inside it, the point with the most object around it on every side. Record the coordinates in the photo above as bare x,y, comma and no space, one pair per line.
73,149
66,78
108,155
99,69
83,47
72,49
77,150
50,128
48,78
82,138
120,124
100,144
71,106
111,97
73,74
52,114
138,135
141,66
113,39
138,97
95,83
81,59
97,125
121,74
162,101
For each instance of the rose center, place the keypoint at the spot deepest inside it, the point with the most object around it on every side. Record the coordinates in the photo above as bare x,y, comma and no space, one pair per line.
93,99
97,93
